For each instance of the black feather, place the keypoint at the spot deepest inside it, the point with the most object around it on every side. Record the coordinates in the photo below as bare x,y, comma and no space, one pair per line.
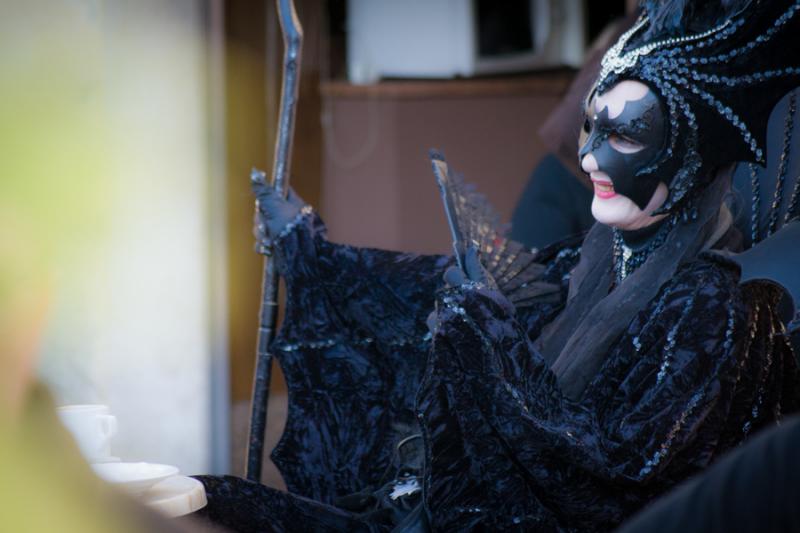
673,18
666,16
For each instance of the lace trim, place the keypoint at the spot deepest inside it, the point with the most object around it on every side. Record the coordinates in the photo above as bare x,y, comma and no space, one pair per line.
264,244
298,219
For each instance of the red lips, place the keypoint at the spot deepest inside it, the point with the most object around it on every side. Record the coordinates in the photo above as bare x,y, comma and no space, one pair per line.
603,188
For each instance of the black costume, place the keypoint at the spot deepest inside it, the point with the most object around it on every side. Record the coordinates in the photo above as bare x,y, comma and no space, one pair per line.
697,370
559,392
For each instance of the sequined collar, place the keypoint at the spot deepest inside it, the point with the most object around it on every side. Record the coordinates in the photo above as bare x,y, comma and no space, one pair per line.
627,260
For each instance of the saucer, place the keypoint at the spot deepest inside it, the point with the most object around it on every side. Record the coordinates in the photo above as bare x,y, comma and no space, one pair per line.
134,478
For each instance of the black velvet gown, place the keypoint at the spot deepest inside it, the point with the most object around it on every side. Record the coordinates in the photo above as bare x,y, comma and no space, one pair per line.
701,367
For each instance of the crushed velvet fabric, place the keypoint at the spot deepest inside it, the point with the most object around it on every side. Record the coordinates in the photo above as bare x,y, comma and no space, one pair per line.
700,367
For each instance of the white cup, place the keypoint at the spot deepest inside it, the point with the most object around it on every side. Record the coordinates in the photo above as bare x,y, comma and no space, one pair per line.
92,428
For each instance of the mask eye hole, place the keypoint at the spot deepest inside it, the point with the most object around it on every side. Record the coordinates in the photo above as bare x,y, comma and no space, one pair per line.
624,144
587,126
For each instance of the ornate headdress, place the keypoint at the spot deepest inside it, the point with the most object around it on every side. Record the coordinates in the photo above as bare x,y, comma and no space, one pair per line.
719,68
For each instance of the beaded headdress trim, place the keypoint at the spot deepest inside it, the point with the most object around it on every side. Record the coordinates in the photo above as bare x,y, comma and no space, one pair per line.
679,70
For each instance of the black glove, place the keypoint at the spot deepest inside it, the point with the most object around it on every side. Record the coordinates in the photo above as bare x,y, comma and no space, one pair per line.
274,213
454,277
475,273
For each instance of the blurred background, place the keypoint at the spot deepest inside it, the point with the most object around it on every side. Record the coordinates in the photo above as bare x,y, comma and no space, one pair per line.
127,135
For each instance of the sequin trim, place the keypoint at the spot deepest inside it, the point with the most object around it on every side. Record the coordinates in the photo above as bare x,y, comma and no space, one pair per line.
669,348
328,343
762,388
663,450
298,219
657,310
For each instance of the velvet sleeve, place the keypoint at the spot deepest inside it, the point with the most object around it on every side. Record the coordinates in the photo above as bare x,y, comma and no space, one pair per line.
352,347
336,291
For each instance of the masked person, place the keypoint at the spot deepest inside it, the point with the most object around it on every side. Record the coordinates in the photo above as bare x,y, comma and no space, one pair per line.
550,410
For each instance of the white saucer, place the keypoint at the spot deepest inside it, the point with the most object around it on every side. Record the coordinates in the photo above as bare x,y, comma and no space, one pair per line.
175,496
134,478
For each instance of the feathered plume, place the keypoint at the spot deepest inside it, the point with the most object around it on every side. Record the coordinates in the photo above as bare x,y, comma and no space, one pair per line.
670,18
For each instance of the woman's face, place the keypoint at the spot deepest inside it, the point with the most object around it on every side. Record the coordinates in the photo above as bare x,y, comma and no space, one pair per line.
624,132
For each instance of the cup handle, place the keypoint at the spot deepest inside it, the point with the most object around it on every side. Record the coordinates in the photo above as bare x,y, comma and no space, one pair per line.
109,425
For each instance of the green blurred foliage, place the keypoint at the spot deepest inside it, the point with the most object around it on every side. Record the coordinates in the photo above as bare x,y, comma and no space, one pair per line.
53,150
46,486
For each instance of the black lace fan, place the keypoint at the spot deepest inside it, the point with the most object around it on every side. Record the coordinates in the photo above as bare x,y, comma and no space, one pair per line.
475,224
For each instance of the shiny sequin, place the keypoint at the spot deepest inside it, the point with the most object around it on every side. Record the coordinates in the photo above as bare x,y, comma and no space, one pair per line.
676,428
669,347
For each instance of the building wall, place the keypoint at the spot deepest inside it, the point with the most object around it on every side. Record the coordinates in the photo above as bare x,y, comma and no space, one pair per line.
131,321
378,188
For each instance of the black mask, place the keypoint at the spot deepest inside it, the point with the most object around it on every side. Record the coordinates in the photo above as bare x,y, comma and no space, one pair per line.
718,67
643,122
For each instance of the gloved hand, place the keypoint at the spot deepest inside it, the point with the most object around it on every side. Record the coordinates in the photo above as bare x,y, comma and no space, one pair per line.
475,272
454,277
274,213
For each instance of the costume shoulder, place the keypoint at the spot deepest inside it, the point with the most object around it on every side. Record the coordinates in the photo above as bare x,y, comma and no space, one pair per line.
708,273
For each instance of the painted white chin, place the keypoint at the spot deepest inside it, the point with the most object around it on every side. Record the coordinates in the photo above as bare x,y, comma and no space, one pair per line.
621,212
618,211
